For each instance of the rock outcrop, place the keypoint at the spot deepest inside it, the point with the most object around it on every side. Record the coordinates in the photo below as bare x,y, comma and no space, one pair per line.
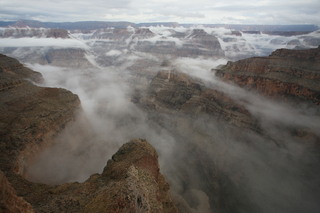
285,74
134,183
171,90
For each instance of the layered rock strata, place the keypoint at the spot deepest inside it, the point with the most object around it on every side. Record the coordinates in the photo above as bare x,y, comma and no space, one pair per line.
285,74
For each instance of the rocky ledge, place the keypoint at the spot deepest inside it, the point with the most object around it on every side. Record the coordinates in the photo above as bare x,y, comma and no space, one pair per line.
286,74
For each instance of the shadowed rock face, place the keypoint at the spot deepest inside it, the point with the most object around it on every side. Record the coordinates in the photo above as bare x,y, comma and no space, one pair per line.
285,74
31,117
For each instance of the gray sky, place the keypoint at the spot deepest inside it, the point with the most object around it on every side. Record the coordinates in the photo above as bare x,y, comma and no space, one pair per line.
182,11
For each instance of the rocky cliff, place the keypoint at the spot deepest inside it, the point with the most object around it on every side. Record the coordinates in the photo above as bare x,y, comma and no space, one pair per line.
285,74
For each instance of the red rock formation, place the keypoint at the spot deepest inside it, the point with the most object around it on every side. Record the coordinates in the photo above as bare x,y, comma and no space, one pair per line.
285,74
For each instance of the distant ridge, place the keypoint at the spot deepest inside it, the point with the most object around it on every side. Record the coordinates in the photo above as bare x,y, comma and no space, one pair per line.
166,24
268,28
82,25
91,25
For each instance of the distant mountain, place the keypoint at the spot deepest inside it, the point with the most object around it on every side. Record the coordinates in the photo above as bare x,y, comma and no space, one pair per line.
83,25
6,23
267,28
91,25
166,24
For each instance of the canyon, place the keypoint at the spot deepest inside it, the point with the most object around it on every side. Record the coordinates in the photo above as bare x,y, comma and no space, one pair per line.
228,135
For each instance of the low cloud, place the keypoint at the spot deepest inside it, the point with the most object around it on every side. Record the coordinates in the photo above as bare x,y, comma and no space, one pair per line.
113,53
268,110
42,42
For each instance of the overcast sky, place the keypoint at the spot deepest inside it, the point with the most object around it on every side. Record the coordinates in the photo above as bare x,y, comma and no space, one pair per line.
182,11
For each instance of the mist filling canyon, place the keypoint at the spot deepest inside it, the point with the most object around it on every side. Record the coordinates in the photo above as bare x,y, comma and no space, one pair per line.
222,147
